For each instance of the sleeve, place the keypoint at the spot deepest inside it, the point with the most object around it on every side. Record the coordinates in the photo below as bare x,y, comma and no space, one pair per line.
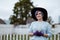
49,30
31,28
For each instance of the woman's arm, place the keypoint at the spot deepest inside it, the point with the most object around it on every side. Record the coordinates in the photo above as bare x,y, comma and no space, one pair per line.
31,30
48,31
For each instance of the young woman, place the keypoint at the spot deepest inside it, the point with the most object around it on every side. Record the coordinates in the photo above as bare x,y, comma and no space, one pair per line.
40,29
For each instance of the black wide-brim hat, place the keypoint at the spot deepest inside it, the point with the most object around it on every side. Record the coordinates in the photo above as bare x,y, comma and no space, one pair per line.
43,10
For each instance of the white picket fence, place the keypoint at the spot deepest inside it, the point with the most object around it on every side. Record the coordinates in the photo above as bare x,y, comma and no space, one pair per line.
24,37
8,32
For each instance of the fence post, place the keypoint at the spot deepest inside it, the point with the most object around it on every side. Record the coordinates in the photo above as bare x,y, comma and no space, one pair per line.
59,36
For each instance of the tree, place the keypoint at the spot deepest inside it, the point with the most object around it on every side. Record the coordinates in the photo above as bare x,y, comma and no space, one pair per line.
21,10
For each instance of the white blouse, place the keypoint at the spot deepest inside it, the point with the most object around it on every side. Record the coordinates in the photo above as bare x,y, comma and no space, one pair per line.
43,26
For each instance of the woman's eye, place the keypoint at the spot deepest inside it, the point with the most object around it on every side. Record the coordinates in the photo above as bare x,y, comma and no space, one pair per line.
36,14
40,13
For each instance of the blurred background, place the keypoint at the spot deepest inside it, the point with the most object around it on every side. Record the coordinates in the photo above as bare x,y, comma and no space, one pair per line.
18,11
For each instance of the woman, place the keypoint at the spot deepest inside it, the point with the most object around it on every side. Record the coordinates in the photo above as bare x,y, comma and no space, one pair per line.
39,29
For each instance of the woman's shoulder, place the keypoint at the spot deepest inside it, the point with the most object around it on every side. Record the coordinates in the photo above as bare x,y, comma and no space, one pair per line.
46,22
33,22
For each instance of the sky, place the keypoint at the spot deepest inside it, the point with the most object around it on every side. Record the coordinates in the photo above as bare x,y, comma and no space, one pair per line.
52,6
6,7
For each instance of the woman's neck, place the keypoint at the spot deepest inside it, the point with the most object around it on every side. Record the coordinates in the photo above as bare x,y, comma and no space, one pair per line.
40,20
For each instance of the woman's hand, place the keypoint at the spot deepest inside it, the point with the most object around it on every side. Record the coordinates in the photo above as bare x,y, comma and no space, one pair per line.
45,35
30,34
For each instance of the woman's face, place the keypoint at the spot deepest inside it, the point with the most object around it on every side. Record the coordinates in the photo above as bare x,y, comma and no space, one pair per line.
39,15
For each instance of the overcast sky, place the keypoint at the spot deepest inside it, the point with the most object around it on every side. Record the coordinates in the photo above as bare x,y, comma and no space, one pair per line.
6,7
52,6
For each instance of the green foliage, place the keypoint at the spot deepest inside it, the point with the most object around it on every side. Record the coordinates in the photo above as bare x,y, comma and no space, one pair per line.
20,11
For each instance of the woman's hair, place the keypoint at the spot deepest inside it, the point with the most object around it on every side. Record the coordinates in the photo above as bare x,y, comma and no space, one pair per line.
43,10
37,12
